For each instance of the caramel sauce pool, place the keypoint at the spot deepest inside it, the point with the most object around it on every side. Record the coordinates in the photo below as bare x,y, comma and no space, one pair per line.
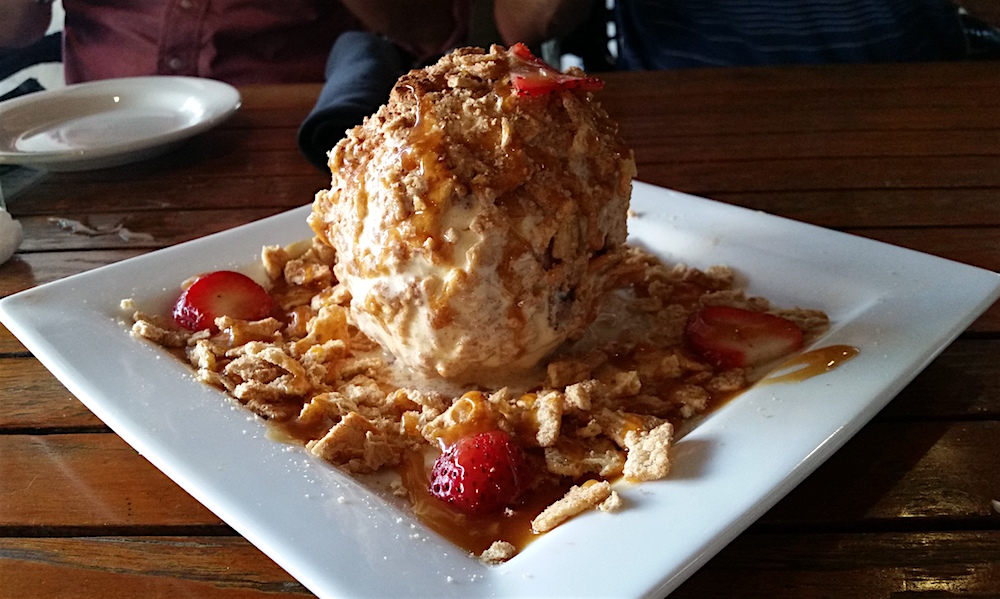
475,534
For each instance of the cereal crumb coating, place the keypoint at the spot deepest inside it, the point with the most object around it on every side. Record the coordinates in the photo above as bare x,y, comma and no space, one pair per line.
476,228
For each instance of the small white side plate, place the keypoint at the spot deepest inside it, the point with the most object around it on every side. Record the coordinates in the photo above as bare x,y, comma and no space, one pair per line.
900,308
110,122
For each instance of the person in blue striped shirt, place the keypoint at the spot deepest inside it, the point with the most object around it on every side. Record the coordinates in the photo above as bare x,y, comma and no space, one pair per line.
669,34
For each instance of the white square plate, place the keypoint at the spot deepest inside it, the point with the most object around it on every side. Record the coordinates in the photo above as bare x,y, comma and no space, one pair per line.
898,307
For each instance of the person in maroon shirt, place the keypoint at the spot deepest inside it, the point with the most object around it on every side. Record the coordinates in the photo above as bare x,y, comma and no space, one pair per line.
237,41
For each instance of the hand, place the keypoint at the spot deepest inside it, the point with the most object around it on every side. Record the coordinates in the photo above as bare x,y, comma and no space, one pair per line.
535,21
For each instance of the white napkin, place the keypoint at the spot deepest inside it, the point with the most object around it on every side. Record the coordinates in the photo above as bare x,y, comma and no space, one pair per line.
10,235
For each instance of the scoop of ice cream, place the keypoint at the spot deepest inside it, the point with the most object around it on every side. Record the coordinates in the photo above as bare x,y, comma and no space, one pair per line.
477,228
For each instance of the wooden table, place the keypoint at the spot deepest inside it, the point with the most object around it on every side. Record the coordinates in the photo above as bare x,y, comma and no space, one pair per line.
908,154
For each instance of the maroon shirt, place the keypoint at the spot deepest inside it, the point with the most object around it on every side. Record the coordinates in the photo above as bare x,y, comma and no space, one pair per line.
237,41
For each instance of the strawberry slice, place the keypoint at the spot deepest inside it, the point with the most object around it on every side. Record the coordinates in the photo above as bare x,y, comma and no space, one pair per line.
481,473
532,76
734,338
221,293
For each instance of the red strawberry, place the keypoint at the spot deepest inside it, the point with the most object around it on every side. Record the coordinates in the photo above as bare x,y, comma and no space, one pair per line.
533,76
221,293
733,337
481,473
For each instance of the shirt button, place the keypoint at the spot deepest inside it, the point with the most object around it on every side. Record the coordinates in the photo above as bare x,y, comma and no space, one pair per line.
175,63
187,4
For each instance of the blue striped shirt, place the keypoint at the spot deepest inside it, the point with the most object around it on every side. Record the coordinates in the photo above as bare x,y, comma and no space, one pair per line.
669,34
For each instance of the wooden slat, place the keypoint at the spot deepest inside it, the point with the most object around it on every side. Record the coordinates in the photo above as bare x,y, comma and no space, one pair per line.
297,97
755,565
898,473
877,208
27,270
56,197
197,159
9,343
129,567
265,118
34,400
819,111
145,230
852,566
657,145
793,174
962,383
116,486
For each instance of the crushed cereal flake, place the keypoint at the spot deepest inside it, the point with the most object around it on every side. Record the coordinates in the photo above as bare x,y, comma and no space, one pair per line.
576,501
499,551
612,504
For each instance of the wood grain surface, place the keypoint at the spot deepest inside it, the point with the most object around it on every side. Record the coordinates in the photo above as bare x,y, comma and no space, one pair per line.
906,154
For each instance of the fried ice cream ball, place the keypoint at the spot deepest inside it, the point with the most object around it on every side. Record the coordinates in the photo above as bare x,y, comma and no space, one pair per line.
477,226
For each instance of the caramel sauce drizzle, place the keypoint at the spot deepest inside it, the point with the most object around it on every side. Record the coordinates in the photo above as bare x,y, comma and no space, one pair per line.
474,533
423,153
811,364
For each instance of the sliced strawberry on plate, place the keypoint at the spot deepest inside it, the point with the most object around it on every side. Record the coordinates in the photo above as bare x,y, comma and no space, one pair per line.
733,337
481,473
221,293
532,76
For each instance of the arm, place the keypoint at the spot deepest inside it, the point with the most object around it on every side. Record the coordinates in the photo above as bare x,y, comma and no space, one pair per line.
423,27
535,21
23,22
